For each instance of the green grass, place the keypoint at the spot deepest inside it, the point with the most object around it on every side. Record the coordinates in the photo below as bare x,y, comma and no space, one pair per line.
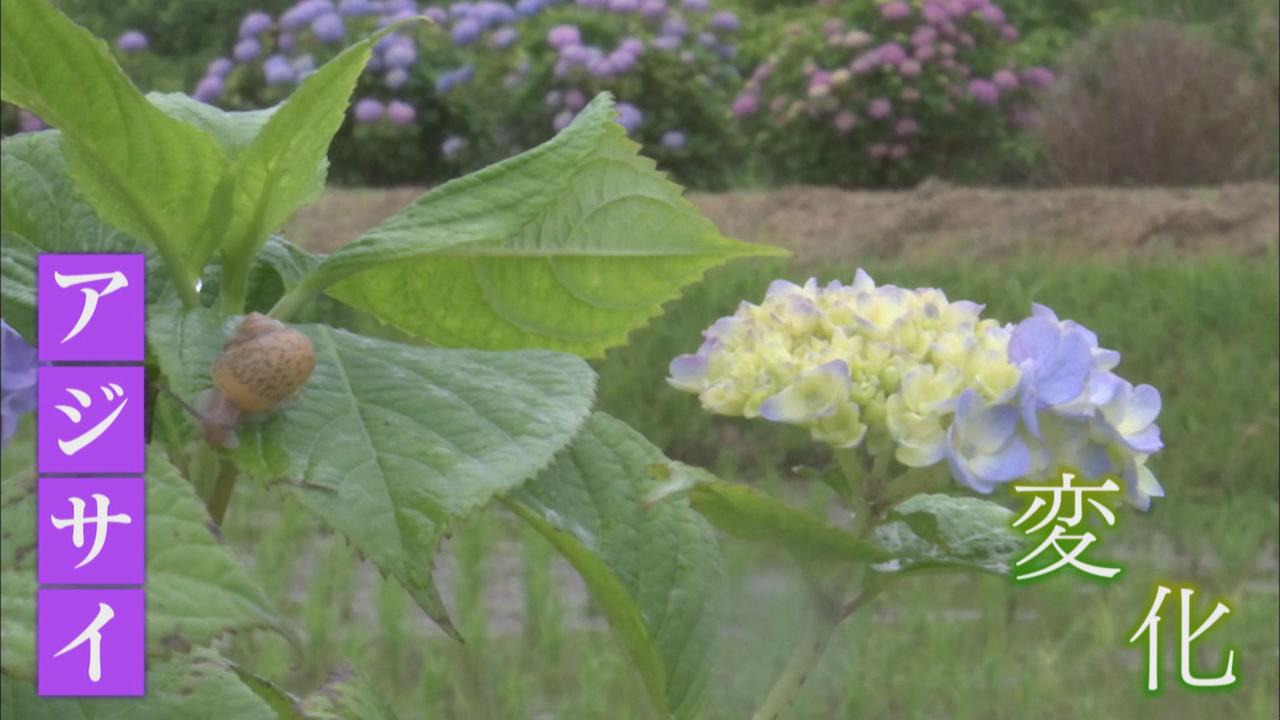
1202,329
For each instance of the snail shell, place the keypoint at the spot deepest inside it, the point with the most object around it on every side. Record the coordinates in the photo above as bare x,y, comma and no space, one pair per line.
262,364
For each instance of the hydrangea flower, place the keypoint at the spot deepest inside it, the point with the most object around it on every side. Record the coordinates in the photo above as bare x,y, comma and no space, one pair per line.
396,78
220,67
912,373
454,78
401,113
355,8
724,21
329,28
674,140
303,65
246,50
503,37
208,89
527,8
302,14
563,36
400,53
897,10
744,105
367,110
131,41
17,380
466,32
629,117
1005,79
1038,77
845,121
255,23
984,91
277,70
452,146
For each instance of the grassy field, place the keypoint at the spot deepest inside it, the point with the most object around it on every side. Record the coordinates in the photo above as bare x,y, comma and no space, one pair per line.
1202,328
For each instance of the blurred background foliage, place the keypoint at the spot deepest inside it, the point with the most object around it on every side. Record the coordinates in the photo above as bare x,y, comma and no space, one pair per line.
468,101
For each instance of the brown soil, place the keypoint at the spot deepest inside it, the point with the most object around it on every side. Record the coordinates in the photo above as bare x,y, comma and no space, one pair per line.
936,218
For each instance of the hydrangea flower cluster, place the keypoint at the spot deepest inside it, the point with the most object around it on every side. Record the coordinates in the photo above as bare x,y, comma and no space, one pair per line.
892,78
930,380
17,380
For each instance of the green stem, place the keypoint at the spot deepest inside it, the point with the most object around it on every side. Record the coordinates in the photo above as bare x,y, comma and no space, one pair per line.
235,285
290,303
214,479
866,487
802,662
182,280
222,489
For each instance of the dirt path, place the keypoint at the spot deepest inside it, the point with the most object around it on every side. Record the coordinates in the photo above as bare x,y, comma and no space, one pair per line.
826,223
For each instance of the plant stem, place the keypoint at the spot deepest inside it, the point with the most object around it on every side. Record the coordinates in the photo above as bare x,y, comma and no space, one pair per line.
235,285
289,303
799,666
222,489
181,279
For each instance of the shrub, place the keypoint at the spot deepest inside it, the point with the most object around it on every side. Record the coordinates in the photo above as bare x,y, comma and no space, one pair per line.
669,63
887,93
490,79
1152,104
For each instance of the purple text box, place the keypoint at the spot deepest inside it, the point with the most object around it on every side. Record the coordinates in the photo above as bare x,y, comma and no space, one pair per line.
92,531
90,420
91,308
90,642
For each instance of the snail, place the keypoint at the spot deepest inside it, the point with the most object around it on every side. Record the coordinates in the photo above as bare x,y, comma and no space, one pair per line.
261,365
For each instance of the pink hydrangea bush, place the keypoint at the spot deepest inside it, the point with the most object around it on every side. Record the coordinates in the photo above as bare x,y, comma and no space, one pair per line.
869,93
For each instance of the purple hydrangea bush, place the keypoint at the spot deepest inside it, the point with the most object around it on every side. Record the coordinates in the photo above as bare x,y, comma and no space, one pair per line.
491,78
869,93
524,71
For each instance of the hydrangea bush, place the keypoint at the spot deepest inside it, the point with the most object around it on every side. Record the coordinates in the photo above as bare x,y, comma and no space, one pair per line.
522,74
888,92
489,79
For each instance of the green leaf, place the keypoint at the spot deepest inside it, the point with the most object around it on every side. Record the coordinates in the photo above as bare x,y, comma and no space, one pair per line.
568,246
391,443
284,703
145,172
654,571
289,262
18,284
283,166
233,131
198,686
748,514
17,621
347,694
41,210
196,589
940,532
